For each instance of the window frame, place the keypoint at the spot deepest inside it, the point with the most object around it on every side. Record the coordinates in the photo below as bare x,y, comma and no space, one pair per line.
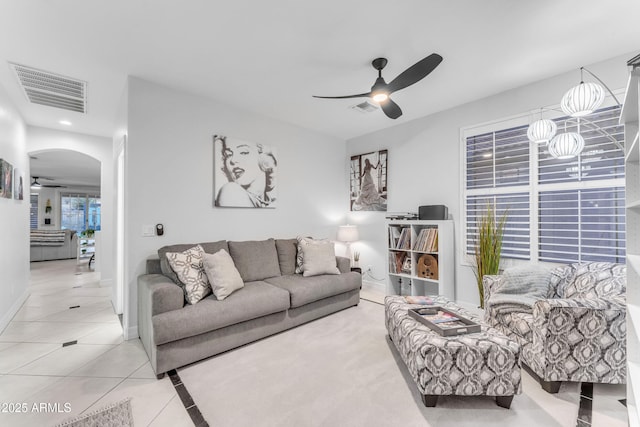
533,187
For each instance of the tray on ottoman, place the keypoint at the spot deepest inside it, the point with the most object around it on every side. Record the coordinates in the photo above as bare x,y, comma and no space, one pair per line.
485,363
445,322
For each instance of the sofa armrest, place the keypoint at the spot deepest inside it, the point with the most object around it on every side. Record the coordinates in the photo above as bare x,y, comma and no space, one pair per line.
344,264
160,293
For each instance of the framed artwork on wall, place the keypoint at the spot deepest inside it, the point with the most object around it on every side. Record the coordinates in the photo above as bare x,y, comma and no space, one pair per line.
244,173
6,179
368,181
18,184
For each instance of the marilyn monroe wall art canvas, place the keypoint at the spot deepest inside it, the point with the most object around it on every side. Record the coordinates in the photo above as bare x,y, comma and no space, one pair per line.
244,173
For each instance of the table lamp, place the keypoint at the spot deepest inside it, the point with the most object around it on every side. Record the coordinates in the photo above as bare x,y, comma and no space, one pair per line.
348,234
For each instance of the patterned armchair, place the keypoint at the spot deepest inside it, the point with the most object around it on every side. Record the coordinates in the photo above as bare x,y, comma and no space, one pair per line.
576,333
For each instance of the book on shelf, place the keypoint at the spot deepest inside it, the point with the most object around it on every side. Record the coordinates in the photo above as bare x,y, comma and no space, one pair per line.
399,262
427,240
404,241
394,236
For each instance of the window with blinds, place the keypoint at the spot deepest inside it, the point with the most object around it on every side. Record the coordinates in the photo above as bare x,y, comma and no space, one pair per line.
33,212
575,206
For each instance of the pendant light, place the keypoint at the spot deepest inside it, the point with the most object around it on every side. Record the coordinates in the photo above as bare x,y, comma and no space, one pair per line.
566,145
583,99
541,131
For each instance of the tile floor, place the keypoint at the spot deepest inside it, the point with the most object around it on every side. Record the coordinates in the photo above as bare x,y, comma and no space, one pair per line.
100,369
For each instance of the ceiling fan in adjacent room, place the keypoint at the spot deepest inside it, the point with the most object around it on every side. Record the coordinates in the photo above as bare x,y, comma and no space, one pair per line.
36,184
381,90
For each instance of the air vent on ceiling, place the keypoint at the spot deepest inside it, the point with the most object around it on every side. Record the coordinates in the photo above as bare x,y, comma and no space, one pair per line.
365,107
53,90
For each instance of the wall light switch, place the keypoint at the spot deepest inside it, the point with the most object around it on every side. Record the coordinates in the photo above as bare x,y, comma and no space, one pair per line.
148,230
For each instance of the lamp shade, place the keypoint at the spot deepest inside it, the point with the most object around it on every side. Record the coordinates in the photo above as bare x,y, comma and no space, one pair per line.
541,131
348,233
583,99
566,145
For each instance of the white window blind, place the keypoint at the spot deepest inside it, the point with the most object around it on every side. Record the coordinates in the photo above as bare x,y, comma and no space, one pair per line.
515,242
33,213
582,225
579,202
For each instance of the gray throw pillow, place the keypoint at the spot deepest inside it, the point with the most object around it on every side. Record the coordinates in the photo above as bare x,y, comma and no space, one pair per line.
222,274
255,260
302,241
319,258
531,279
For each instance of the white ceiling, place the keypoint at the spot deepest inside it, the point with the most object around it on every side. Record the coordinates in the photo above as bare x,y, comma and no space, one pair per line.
269,57
67,168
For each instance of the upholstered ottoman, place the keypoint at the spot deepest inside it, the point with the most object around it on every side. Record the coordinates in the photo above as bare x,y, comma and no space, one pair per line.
477,364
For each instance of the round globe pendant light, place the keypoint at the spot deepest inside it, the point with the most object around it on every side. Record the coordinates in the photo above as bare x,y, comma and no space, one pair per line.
566,145
541,131
583,99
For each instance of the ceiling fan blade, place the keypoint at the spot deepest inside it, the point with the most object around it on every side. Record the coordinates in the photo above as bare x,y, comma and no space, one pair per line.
391,109
344,97
415,73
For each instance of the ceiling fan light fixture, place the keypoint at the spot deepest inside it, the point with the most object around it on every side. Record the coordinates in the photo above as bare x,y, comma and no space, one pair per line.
583,99
566,145
541,131
380,97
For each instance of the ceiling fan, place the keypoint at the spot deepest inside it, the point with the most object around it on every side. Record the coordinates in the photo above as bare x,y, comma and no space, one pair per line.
36,184
381,90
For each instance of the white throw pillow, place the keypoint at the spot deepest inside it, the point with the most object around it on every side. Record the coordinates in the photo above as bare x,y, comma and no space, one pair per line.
190,271
222,273
319,258
303,241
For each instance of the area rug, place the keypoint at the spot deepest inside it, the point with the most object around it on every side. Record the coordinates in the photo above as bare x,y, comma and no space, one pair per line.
114,415
342,370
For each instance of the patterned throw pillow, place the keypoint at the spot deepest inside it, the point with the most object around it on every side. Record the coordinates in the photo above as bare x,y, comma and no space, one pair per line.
189,268
300,255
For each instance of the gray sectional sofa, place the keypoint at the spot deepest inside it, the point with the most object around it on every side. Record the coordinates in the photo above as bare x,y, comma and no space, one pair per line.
274,298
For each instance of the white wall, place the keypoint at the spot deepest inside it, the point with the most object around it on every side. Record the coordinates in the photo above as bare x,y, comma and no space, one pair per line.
100,148
14,216
170,177
425,160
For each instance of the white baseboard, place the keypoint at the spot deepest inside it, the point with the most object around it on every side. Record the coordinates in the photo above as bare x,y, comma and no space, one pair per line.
374,286
4,322
106,283
131,333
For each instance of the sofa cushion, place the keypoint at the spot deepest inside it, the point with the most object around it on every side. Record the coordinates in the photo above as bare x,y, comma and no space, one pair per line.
189,268
305,290
255,260
255,299
209,247
222,274
287,250
319,259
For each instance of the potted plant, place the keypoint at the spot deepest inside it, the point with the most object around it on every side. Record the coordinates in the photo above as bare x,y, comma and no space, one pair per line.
488,246
356,259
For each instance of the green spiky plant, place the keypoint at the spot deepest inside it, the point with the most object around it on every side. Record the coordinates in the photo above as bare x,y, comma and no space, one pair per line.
488,246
